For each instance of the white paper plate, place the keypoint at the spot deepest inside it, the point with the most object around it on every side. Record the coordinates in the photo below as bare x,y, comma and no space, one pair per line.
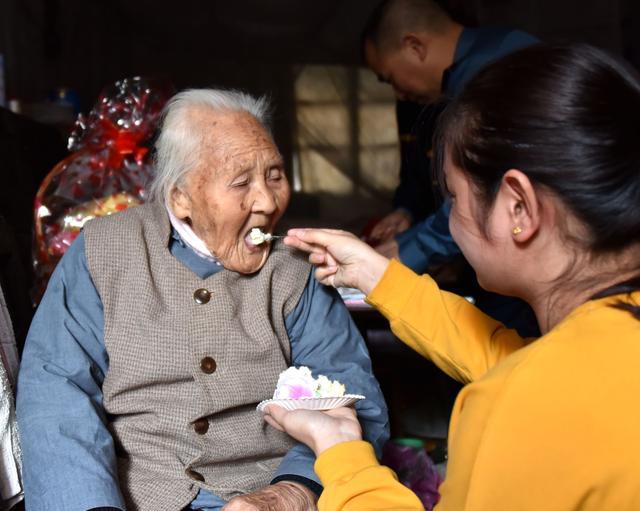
311,403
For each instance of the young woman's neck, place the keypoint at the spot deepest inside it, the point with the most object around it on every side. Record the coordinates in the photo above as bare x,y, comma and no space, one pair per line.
552,301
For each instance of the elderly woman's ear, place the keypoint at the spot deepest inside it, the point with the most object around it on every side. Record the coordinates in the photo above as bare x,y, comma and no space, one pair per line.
180,204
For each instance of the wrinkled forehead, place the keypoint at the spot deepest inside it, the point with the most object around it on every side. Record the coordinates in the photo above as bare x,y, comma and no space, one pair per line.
219,132
229,140
218,128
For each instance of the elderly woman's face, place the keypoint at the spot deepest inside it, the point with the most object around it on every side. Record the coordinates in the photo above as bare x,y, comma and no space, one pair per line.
239,184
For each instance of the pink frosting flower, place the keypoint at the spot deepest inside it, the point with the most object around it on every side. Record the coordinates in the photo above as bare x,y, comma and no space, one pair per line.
295,383
296,392
298,382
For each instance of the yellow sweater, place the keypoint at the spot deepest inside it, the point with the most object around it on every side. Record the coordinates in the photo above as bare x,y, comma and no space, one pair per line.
548,425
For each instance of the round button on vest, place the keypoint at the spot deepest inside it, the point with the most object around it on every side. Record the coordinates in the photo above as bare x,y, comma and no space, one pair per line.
201,426
201,296
208,365
195,475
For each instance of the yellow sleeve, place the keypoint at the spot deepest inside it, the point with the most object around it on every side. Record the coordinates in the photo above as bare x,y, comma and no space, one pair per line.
446,328
353,480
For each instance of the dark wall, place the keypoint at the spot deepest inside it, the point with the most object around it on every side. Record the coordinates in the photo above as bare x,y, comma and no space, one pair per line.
246,43
255,45
85,44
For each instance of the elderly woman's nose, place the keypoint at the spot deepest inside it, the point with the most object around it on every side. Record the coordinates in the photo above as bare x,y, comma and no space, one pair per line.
264,199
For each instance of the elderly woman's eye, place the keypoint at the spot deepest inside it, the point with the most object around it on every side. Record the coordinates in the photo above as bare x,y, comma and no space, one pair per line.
240,182
274,174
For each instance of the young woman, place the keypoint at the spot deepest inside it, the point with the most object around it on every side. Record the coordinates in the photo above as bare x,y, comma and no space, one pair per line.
541,159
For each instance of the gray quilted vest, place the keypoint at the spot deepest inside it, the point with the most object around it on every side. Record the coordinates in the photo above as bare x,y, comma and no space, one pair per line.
189,359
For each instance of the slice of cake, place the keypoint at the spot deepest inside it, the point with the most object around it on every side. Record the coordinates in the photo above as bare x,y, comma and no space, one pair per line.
258,237
298,382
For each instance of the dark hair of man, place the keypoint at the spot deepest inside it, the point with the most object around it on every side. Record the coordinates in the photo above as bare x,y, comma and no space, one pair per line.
393,18
567,116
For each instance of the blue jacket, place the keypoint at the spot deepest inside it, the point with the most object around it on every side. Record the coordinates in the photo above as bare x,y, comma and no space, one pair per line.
69,459
429,241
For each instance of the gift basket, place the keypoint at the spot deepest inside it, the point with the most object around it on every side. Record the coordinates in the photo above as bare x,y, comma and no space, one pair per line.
106,172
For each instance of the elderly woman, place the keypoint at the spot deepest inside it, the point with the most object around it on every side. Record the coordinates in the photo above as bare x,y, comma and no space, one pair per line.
541,160
163,327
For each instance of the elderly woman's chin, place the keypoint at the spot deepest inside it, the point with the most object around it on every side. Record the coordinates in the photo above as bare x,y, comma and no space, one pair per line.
249,258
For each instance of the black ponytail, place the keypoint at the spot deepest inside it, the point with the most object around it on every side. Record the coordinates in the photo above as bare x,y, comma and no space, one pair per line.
569,118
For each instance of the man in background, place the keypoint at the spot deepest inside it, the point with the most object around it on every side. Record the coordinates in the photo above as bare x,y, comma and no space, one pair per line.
428,58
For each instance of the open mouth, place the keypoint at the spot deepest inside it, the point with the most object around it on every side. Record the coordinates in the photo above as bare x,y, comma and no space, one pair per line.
250,243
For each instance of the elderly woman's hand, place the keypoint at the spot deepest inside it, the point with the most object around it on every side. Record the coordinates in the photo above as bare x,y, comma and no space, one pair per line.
318,430
282,496
342,260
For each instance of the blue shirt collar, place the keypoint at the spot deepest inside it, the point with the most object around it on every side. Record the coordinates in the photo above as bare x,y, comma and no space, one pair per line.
202,267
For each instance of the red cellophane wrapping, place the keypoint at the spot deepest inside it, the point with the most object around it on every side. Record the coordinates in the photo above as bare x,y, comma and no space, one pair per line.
106,172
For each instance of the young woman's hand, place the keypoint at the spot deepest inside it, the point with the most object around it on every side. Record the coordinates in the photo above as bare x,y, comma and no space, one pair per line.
318,430
342,260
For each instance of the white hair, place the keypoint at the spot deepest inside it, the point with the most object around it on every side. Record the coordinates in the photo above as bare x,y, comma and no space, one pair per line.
178,144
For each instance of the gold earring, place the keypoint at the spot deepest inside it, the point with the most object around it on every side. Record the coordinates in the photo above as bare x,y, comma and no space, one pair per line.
517,230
